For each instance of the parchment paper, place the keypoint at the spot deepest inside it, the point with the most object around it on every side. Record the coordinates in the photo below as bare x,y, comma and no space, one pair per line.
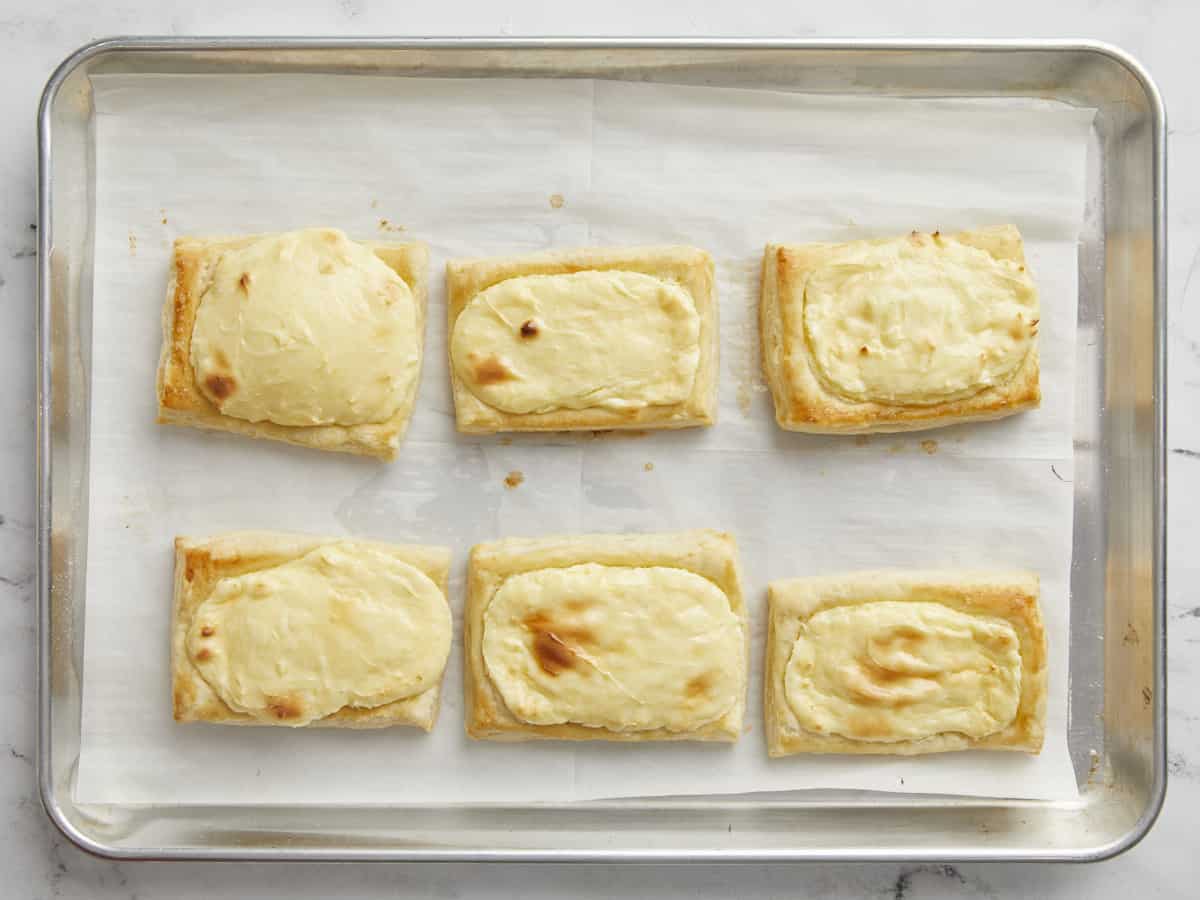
485,167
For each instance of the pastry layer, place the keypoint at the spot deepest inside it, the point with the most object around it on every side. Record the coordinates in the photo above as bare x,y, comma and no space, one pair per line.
344,625
901,333
305,337
622,337
606,637
280,629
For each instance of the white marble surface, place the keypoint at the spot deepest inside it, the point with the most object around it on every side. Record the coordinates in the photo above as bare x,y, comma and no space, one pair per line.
36,862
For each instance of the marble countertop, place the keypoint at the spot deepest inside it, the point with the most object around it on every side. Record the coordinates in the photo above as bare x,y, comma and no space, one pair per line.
36,862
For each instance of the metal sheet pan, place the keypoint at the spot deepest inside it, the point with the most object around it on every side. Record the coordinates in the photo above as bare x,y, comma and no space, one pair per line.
1117,688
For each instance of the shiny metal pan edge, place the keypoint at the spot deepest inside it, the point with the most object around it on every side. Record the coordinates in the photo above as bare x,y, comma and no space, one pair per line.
1118,689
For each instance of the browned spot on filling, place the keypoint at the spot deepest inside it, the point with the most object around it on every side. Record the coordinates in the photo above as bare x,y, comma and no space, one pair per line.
863,351
556,200
866,727
513,479
552,655
936,235
529,329
578,605
699,685
492,371
204,655
244,282
221,359
207,631
930,447
330,237
283,707
550,643
220,386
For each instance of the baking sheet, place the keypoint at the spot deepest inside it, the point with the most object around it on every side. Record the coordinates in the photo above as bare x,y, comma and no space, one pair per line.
495,166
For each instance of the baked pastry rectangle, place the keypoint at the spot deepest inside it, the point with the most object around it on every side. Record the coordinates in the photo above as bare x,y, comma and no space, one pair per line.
223,648
899,334
601,338
311,352
636,637
905,663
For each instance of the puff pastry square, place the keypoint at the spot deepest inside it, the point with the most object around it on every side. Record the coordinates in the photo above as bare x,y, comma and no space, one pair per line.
197,268
638,637
588,339
899,334
202,566
905,663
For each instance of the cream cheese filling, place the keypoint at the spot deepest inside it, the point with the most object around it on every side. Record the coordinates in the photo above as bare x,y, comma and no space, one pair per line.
611,339
305,328
623,648
903,671
344,625
920,320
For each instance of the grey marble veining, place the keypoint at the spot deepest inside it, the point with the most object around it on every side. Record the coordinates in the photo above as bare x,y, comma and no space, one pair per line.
36,862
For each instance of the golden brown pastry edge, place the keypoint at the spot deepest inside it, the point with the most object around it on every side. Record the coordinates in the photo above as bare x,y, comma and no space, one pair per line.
201,562
180,401
708,553
803,404
1012,596
690,267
